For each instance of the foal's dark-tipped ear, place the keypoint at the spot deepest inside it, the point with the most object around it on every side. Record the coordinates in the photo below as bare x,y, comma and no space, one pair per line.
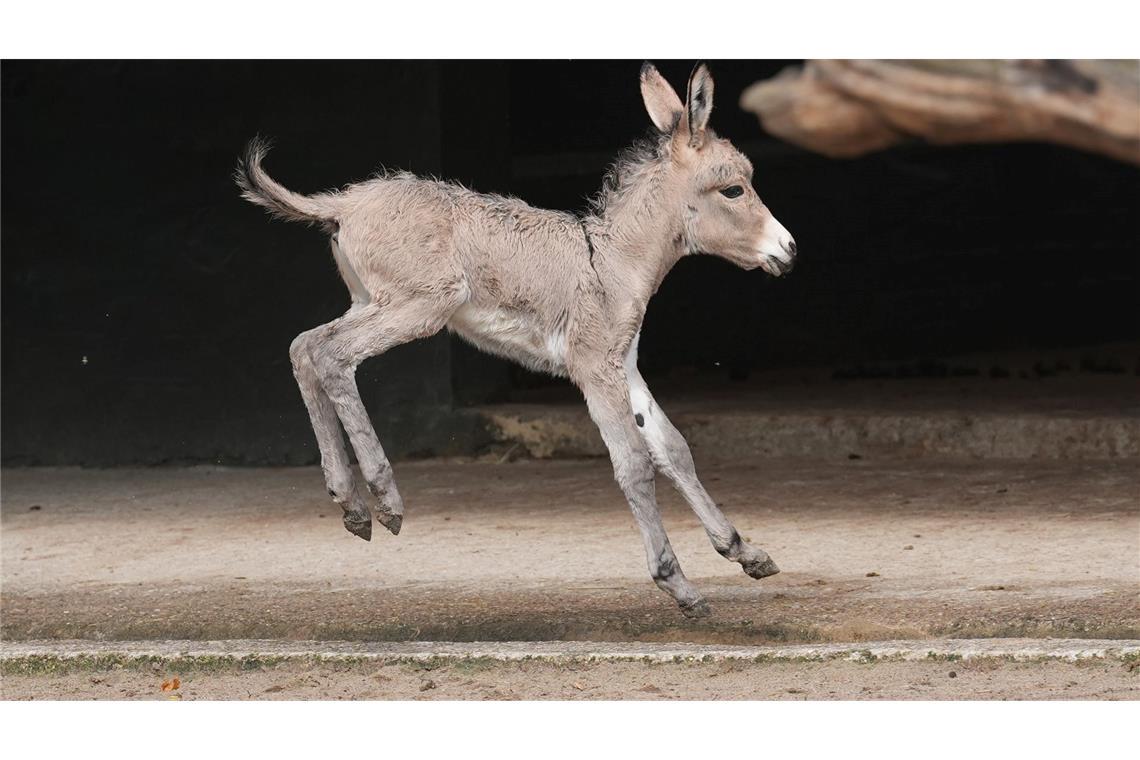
661,100
698,104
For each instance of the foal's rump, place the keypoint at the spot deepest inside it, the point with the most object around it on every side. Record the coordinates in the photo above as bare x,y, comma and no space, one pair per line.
389,234
397,234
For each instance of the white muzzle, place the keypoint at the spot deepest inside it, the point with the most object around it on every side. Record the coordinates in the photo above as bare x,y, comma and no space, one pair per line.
776,249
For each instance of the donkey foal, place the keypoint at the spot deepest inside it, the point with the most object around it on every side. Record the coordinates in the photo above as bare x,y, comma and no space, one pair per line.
552,291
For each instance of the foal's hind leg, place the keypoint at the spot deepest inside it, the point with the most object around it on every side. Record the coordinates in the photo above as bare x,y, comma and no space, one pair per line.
340,347
326,426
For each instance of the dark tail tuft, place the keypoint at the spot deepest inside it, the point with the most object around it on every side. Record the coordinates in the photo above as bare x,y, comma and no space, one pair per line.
255,151
258,187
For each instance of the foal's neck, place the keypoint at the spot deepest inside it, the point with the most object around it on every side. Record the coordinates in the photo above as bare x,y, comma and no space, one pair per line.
640,233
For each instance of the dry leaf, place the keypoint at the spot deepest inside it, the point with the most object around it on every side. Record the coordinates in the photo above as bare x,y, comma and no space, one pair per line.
578,686
171,685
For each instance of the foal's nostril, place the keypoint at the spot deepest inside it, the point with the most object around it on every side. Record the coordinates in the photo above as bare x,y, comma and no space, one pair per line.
792,247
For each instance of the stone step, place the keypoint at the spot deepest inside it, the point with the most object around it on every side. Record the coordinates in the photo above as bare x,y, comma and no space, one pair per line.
975,419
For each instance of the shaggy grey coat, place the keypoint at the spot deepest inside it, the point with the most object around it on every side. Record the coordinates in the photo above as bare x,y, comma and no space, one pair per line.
552,291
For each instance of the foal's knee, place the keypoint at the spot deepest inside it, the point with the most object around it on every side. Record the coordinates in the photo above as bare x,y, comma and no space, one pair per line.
678,454
633,471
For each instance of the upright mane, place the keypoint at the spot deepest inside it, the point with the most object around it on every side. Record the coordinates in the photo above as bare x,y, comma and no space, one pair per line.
629,165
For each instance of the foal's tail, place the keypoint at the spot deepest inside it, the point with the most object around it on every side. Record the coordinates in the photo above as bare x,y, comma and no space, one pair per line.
258,187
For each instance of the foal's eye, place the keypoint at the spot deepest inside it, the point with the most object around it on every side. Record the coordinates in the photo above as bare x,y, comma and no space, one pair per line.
732,192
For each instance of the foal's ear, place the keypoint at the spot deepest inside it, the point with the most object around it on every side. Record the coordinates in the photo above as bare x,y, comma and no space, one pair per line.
698,104
661,100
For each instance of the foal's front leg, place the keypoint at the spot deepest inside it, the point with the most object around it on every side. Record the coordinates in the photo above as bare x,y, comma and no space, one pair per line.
671,455
633,470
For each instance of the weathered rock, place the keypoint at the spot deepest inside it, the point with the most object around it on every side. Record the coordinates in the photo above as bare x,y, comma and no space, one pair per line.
849,108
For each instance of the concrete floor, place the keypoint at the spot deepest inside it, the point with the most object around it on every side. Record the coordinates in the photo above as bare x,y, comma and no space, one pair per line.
547,550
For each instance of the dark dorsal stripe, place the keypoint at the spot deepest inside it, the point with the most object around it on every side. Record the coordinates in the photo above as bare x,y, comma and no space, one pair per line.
590,248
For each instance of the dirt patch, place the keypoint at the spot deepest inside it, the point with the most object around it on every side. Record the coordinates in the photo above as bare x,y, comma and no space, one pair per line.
496,680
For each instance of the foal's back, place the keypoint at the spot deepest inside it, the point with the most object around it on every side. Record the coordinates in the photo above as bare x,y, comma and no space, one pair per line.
406,231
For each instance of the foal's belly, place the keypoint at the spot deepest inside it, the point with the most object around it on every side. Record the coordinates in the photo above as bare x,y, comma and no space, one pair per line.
513,335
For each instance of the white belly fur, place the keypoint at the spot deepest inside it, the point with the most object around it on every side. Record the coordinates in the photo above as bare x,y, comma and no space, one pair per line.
356,289
510,334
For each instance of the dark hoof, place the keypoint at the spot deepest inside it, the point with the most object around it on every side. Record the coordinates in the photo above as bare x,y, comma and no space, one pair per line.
358,527
698,609
391,522
761,569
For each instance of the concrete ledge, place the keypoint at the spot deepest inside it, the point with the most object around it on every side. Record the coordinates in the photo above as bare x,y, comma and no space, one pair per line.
553,432
13,654
1078,418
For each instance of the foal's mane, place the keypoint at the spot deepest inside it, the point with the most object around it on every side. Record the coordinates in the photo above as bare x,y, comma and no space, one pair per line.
627,167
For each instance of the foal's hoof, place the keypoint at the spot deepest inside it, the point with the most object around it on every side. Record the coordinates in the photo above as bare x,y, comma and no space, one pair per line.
391,522
761,569
698,609
359,527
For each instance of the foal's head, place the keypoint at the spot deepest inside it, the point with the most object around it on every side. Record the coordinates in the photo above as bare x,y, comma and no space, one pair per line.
723,214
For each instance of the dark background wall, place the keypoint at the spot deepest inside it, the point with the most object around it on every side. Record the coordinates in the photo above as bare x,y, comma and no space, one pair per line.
147,310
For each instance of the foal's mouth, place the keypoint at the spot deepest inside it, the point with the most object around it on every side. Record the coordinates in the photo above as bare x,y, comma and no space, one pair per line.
777,253
776,266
